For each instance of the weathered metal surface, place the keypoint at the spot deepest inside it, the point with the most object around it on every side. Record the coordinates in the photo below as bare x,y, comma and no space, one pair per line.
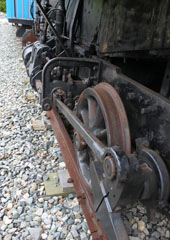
102,112
28,37
91,17
147,111
122,26
109,193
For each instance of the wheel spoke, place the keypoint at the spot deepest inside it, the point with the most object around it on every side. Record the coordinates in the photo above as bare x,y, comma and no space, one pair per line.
92,105
102,133
98,121
84,116
83,158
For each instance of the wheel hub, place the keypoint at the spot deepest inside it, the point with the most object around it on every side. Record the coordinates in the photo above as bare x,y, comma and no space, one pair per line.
109,167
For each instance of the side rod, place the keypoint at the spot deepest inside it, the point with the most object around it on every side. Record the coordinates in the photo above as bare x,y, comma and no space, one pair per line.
94,144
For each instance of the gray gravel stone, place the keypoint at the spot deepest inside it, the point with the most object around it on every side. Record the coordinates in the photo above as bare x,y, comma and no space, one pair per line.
39,211
23,225
133,238
83,236
74,232
8,237
35,233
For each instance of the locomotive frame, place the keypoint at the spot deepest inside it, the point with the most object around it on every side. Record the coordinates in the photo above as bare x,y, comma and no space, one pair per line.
113,131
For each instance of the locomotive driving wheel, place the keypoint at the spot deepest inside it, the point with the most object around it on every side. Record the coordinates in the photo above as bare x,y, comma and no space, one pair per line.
102,111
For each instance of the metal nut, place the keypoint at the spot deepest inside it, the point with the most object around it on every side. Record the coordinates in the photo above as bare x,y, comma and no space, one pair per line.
109,167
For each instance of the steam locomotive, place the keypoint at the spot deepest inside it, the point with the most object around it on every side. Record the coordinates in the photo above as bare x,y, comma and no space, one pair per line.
103,73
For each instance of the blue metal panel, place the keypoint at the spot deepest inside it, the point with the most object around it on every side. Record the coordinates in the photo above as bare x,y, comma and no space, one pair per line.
27,7
26,10
19,9
10,8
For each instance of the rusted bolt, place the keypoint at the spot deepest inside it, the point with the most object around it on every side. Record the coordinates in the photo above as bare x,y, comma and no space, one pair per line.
47,107
59,93
82,196
79,142
70,180
109,167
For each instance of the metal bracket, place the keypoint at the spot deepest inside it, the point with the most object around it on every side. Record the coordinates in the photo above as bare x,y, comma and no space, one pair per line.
69,75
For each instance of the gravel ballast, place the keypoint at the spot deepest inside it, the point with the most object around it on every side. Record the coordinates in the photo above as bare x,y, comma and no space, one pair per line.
26,156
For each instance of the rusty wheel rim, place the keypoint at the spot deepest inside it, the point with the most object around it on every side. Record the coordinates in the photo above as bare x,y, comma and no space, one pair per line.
102,111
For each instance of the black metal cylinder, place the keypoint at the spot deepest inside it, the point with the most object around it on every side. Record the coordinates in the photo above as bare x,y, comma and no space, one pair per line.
60,16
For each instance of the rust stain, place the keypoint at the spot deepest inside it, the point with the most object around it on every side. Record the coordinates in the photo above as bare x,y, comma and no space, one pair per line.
105,47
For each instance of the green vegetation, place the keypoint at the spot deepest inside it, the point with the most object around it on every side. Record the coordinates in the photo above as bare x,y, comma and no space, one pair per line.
2,5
